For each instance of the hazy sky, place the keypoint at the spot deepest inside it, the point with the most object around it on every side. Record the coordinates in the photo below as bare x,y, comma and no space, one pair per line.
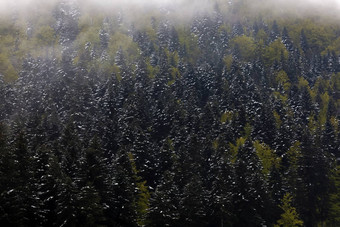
304,5
5,3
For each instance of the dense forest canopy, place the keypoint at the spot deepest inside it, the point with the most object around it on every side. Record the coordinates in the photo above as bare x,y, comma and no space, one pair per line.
179,113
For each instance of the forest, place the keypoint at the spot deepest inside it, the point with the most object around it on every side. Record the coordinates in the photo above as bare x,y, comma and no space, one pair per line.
152,116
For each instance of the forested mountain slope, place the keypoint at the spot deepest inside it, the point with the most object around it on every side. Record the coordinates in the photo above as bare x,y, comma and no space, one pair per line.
159,116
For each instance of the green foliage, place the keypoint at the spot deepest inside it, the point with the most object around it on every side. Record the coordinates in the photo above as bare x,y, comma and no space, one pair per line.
226,117
88,35
141,202
189,44
215,144
247,130
7,69
228,61
278,121
45,36
294,154
152,71
120,40
92,19
234,149
282,80
282,97
275,52
324,107
312,123
334,213
9,62
244,47
334,46
289,217
261,36
303,83
175,74
267,156
335,123
335,81
197,127
319,35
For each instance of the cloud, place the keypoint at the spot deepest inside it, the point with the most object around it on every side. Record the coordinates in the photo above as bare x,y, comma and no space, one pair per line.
324,8
183,7
304,4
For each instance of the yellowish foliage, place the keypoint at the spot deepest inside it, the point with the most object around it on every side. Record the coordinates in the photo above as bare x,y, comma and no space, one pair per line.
312,124
334,46
45,36
142,203
143,195
226,116
10,56
278,121
289,217
228,61
247,130
215,144
283,80
335,82
319,35
282,97
152,71
235,148
261,35
170,144
91,35
294,153
90,20
275,51
335,123
121,40
175,73
267,156
245,46
260,48
324,107
302,83
190,42
7,69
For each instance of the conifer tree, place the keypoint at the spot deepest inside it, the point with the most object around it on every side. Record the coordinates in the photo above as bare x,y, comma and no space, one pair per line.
289,217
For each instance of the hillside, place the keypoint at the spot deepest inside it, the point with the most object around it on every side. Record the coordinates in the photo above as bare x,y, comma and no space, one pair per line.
208,113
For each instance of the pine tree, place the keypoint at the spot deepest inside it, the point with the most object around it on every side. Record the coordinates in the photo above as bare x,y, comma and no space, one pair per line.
289,217
48,177
164,203
251,194
193,202
313,182
132,194
334,212
220,199
7,180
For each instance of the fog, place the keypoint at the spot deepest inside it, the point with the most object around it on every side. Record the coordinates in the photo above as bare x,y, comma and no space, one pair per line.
183,8
326,4
302,8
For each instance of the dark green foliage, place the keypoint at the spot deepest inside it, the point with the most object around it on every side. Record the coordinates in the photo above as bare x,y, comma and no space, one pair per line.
314,185
218,121
335,201
289,217
250,192
165,202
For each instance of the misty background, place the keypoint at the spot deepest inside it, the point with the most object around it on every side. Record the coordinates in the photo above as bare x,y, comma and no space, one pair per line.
184,8
169,113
